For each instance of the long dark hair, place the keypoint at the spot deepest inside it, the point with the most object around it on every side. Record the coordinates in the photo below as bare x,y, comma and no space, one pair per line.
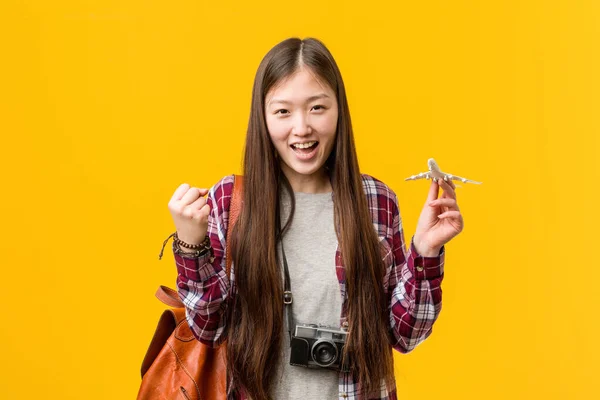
256,318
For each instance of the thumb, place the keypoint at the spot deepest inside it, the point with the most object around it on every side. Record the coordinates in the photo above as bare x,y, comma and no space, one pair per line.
203,192
433,191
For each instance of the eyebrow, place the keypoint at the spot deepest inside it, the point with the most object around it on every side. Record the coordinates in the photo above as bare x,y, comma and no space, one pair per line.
311,98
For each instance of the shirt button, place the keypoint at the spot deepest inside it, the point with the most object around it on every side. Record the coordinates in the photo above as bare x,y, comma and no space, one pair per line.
419,269
344,395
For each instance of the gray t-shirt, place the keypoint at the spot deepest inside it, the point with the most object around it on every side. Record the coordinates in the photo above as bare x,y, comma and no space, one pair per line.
310,245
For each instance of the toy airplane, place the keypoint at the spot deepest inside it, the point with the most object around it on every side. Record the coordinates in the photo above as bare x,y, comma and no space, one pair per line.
435,173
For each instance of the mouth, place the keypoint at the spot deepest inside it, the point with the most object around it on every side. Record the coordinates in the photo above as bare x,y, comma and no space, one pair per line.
305,150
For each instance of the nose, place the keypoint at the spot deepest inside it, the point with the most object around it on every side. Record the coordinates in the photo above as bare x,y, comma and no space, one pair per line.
301,125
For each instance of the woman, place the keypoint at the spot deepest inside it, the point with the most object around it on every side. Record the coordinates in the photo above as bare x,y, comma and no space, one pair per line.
342,234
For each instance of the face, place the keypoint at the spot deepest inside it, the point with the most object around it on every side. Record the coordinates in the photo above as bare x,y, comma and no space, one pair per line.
301,114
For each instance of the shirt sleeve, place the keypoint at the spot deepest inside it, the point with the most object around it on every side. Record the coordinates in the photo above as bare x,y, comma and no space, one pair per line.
203,285
415,287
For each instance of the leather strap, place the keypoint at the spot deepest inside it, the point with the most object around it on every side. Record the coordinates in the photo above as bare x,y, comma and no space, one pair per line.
235,206
169,297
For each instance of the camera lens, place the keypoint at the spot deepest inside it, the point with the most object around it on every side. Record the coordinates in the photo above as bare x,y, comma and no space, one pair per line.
324,353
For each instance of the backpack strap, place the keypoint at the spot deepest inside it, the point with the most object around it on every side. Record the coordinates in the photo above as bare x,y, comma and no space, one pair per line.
235,206
169,296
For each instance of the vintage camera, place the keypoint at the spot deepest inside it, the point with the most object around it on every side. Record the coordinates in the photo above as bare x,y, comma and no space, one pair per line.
318,346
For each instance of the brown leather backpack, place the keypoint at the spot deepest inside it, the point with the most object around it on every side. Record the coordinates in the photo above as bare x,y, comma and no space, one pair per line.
176,365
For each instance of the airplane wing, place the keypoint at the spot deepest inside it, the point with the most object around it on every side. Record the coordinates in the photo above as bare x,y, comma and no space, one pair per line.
463,180
422,175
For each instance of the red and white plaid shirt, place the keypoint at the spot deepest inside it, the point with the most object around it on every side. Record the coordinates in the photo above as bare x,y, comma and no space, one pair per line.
412,282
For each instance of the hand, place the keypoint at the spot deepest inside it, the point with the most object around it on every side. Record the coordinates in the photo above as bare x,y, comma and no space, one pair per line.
190,211
440,219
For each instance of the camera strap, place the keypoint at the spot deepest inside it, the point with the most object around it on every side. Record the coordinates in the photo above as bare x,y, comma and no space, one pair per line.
287,293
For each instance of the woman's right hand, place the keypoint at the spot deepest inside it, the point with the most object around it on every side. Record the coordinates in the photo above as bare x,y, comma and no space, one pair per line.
190,213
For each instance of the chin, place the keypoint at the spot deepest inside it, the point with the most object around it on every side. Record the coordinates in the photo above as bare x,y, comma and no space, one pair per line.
305,170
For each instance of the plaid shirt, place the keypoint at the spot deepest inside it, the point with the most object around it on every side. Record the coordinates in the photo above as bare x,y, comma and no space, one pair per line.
412,282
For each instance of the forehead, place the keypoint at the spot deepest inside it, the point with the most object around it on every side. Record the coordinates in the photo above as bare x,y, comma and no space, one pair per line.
299,87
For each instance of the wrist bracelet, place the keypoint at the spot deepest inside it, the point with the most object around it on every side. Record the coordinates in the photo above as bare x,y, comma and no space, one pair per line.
204,245
194,253
199,249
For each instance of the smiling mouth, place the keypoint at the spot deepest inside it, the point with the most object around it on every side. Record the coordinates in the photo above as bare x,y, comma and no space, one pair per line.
305,148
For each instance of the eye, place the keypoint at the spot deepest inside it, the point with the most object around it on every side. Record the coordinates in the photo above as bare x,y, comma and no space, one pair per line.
322,107
278,111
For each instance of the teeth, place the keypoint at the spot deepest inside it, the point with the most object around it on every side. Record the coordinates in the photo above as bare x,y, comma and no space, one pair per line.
304,145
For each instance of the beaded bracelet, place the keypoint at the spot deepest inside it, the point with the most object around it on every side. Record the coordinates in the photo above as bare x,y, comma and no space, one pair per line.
199,249
204,245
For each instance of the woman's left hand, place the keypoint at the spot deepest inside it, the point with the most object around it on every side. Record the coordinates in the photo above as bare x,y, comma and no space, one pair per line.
440,219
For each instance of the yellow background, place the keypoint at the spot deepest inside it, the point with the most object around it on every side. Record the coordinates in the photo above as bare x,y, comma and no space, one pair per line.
107,106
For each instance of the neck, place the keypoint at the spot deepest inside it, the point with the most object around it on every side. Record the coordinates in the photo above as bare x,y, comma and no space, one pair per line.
316,183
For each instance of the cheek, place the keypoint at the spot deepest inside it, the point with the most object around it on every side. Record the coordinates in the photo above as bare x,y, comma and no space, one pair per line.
329,125
276,130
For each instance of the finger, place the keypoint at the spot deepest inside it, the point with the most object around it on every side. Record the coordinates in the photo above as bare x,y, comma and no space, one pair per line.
181,190
198,214
205,212
447,188
449,214
450,183
433,191
198,204
446,202
191,195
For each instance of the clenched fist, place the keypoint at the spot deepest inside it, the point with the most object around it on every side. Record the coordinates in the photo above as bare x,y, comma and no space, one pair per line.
190,213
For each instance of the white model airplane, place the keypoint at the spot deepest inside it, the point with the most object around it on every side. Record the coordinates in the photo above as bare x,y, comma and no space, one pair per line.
435,173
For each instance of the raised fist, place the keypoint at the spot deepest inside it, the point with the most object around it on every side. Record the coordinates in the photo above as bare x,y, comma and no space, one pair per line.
190,213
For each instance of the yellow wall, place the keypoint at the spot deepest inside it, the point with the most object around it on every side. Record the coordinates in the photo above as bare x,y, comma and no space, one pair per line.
107,106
